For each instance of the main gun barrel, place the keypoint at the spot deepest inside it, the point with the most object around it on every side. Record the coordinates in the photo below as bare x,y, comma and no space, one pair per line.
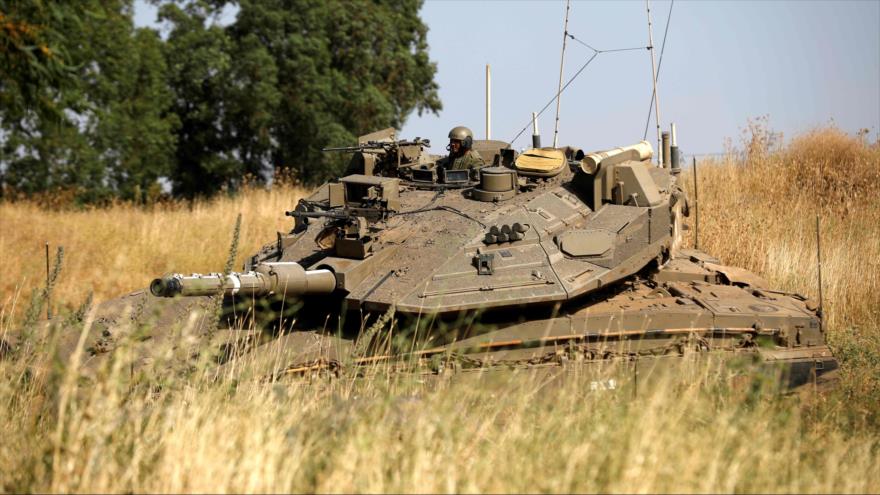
283,278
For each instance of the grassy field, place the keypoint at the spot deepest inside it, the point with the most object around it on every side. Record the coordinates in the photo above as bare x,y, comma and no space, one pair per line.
689,432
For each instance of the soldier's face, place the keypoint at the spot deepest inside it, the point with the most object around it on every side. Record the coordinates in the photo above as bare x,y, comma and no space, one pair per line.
454,146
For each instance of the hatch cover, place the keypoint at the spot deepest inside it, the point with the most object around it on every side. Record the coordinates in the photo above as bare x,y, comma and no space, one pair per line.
586,242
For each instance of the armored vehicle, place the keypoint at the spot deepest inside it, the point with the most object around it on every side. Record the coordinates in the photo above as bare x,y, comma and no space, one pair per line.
540,258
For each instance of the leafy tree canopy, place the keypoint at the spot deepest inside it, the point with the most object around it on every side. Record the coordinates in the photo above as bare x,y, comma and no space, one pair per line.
90,102
32,56
95,121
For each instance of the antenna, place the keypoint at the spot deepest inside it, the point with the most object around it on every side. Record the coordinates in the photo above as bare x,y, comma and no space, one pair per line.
561,66
488,103
696,209
660,156
819,272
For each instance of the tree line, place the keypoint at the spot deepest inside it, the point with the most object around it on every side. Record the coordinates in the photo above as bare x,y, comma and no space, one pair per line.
90,103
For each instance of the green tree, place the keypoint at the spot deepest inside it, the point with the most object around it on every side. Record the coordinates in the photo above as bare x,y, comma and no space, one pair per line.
224,96
112,134
133,128
34,63
287,79
345,68
91,103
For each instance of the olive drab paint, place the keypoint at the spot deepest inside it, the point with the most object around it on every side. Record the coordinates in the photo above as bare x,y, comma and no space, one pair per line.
557,255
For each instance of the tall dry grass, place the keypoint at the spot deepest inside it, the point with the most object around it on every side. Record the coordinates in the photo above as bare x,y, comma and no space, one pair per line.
685,434
758,209
112,251
687,431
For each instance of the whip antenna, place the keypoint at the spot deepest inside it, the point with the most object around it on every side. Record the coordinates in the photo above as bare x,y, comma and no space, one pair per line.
654,82
561,66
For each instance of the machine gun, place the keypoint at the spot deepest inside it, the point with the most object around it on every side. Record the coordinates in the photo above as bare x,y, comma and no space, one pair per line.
339,214
384,157
381,146
347,234
347,215
372,198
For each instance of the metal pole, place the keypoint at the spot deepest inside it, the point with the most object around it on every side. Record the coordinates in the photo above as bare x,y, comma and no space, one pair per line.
561,66
696,208
666,149
536,137
488,103
660,156
673,150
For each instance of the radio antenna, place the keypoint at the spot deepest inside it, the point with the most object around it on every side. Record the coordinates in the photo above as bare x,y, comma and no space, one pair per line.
660,156
561,66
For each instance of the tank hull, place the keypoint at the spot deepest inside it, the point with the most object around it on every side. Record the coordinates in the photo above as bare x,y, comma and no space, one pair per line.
688,310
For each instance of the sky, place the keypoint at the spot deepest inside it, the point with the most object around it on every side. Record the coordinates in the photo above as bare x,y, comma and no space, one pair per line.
803,64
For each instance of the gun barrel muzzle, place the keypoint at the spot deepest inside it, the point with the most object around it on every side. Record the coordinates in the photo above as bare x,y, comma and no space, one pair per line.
283,278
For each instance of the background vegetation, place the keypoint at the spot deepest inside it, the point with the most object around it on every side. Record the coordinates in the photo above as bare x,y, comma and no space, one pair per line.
689,432
97,109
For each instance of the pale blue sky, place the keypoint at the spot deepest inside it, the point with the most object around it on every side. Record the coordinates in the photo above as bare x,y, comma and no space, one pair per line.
803,63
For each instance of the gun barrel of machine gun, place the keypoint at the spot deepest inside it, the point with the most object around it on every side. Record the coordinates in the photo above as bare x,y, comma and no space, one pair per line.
375,145
317,214
369,213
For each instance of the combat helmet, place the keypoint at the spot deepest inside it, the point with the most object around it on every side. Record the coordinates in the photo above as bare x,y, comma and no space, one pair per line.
463,134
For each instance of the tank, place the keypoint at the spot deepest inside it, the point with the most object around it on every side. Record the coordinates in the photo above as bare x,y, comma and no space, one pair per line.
548,257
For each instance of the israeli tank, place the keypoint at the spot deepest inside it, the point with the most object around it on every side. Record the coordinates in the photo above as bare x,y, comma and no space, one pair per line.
544,257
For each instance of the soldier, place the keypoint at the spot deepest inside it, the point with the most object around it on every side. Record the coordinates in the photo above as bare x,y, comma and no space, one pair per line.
461,156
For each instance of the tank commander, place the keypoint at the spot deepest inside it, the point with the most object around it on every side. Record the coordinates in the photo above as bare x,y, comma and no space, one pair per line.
461,155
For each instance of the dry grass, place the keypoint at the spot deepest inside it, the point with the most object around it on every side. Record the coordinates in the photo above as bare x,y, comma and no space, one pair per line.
374,437
760,213
758,210
112,251
688,432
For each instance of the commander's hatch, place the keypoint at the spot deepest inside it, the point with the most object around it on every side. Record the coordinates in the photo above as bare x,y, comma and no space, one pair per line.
540,162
